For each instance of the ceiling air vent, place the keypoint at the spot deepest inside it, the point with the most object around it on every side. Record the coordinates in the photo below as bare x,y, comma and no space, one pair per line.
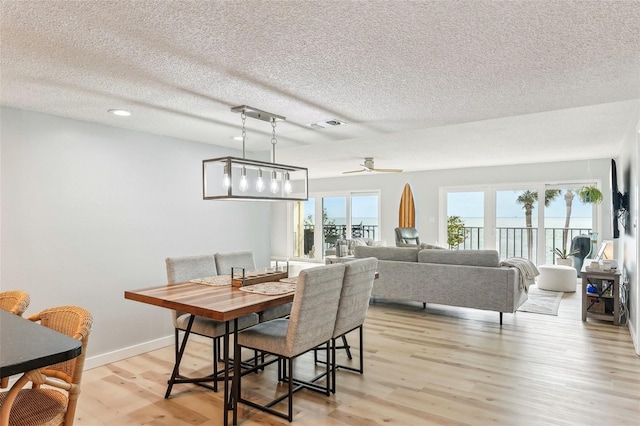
326,123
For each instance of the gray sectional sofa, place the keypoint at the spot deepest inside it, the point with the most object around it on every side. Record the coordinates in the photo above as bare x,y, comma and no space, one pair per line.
465,278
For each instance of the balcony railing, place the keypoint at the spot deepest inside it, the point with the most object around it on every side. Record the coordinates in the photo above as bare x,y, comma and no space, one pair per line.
523,242
333,232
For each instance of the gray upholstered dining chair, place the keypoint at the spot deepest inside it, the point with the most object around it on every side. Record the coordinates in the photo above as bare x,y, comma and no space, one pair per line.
245,260
352,309
311,323
182,269
354,303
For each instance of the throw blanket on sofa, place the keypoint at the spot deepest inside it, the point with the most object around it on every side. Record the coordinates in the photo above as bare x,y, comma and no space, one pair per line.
528,271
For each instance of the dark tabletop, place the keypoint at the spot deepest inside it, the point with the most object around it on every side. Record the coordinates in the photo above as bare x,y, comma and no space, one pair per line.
25,345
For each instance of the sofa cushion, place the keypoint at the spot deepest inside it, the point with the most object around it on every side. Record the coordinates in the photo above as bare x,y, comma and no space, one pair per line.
431,246
489,258
403,254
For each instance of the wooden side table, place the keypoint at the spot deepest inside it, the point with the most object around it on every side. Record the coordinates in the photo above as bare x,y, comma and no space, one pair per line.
603,305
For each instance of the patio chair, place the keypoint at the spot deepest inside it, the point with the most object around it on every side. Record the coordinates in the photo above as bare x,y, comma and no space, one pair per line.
56,403
14,301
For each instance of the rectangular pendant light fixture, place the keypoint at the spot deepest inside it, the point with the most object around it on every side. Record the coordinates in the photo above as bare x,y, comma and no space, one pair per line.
234,178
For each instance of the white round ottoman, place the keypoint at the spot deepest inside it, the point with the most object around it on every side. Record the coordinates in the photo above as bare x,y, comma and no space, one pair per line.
557,278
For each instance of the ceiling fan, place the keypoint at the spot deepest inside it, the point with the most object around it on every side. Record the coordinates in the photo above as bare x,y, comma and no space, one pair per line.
369,167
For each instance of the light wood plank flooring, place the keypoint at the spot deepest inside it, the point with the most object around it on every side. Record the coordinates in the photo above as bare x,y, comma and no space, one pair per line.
434,366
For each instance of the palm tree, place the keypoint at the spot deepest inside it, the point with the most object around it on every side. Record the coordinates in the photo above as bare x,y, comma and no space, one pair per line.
568,198
528,200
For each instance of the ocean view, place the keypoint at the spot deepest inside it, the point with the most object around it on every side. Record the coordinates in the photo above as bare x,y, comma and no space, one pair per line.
519,222
501,222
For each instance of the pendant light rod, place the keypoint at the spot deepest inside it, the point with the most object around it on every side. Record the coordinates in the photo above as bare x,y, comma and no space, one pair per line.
257,113
244,133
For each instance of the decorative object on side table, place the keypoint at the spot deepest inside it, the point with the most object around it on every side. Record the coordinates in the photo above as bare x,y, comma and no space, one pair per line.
564,257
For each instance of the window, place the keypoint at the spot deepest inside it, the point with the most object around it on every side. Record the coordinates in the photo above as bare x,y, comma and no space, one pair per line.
565,218
468,207
516,222
342,215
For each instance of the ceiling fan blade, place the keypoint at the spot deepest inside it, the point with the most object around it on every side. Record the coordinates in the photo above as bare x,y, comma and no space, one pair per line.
354,171
388,170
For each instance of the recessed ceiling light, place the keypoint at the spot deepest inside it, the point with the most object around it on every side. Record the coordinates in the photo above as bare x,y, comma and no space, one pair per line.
120,112
237,138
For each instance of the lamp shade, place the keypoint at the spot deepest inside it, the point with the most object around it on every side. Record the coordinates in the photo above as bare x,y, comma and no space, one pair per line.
232,178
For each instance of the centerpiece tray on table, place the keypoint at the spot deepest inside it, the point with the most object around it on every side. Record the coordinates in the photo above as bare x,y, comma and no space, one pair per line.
251,278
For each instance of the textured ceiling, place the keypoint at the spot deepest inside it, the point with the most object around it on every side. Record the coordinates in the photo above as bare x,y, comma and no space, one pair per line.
420,85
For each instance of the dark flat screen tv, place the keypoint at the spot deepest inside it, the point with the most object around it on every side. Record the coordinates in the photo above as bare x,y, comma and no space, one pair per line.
618,201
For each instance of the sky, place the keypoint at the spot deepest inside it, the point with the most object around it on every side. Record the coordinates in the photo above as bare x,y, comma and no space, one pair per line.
470,204
362,206
463,204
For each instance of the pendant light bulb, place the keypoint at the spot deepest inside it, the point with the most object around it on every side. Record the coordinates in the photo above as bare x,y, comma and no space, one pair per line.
274,182
287,183
226,180
244,184
260,182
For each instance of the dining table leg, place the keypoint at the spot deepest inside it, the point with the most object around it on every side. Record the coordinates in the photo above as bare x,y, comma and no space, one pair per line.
227,391
176,367
237,372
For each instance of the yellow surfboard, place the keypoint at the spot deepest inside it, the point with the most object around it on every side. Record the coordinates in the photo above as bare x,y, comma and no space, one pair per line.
407,217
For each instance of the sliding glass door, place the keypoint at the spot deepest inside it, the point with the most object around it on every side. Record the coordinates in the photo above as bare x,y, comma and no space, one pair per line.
334,222
465,221
364,215
517,221
320,221
566,219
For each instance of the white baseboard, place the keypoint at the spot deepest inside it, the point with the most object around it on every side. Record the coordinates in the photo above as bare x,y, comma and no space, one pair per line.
120,354
124,353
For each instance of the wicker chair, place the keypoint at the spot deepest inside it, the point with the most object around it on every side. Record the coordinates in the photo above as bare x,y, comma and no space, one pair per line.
14,301
311,324
38,406
181,269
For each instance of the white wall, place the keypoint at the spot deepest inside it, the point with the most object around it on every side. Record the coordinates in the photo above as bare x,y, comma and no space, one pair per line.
629,243
426,189
89,211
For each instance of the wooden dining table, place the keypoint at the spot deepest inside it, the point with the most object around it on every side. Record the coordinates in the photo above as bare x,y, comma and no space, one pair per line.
221,303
